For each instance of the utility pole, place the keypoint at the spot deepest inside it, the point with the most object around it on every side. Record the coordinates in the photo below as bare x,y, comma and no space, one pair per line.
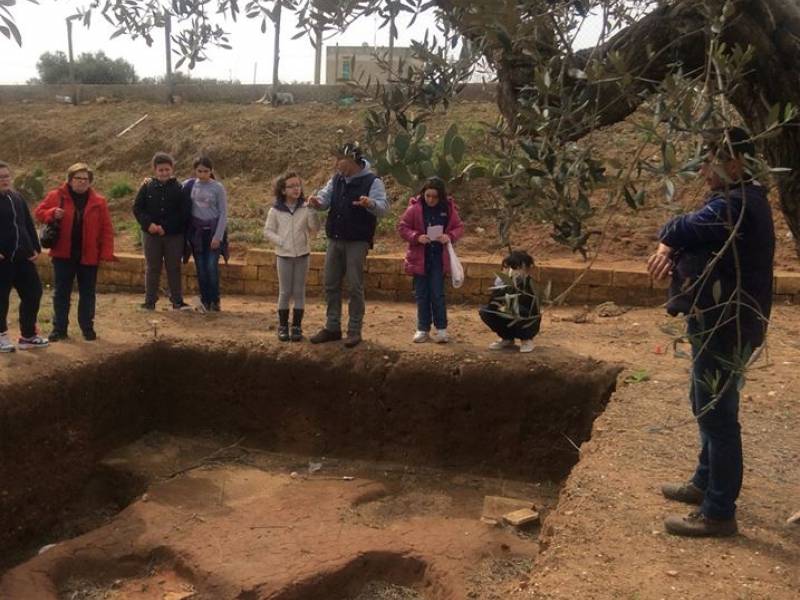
255,71
168,48
277,55
392,30
71,61
318,56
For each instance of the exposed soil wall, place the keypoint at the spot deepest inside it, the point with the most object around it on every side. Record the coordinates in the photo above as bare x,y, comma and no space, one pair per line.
53,432
516,420
509,419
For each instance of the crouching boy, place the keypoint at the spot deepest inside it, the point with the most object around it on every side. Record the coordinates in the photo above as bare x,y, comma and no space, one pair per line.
513,311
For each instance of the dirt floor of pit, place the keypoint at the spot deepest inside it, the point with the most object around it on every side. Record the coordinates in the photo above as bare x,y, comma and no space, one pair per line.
282,525
604,538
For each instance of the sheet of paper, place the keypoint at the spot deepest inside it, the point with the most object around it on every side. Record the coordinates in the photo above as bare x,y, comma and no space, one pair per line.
435,231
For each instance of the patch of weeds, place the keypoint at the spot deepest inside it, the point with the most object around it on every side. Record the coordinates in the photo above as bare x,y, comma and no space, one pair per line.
319,244
30,185
245,230
388,224
130,226
637,376
120,189
252,208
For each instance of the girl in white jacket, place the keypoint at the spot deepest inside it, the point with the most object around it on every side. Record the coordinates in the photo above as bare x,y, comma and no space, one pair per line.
290,226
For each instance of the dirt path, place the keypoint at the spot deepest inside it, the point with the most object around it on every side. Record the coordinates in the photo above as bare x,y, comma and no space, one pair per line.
604,538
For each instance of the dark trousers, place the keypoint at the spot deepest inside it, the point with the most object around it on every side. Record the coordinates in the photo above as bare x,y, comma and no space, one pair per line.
65,272
720,464
502,325
21,276
166,250
429,292
206,262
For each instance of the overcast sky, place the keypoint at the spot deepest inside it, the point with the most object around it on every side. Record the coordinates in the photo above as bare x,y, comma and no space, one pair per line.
43,29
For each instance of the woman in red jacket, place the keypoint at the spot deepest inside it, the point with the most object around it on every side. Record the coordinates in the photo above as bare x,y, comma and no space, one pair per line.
85,238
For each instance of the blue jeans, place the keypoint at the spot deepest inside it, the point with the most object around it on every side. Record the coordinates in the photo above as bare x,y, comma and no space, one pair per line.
720,464
206,261
65,272
429,292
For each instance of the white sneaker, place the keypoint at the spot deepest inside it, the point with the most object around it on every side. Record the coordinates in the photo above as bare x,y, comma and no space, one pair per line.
420,337
6,346
526,346
32,342
441,337
501,345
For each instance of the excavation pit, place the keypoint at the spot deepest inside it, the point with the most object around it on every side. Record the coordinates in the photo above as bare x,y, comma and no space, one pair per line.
177,471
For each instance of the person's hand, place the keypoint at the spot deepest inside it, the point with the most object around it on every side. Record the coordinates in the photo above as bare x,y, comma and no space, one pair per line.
146,180
659,265
424,239
153,229
363,202
444,239
314,201
34,257
2,257
58,214
215,244
161,230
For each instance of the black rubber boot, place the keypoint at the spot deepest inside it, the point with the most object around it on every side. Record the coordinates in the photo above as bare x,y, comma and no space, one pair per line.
297,325
283,324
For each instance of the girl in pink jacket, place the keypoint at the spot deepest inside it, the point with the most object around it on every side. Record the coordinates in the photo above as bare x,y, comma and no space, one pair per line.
429,223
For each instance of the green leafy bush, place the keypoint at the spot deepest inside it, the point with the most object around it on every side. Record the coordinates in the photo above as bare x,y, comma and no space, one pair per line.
120,190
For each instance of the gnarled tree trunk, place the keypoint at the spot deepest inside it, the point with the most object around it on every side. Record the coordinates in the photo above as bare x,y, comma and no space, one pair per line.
678,32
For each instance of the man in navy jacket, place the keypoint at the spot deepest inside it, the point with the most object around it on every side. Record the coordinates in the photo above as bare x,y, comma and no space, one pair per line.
720,258
355,199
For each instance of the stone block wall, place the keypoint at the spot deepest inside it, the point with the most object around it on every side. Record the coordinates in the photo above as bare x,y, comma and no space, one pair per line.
385,280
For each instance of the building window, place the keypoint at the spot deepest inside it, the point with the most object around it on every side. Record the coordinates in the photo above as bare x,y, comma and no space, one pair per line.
346,69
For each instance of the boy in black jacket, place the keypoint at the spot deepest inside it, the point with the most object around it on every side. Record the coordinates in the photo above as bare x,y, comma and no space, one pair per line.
513,311
19,248
163,210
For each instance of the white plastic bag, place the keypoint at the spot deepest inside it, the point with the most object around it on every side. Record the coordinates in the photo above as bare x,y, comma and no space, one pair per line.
456,268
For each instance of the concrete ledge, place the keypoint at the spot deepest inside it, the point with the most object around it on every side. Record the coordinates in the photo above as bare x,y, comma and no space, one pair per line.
385,280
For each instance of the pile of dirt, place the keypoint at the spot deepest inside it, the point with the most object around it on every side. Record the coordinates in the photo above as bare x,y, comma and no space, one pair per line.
252,144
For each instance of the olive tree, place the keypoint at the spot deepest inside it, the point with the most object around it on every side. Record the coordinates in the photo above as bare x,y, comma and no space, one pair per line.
694,65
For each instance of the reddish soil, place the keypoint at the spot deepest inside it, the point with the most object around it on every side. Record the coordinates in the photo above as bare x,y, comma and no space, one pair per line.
602,539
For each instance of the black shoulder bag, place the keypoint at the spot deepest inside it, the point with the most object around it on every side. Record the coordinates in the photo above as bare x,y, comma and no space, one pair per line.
48,236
